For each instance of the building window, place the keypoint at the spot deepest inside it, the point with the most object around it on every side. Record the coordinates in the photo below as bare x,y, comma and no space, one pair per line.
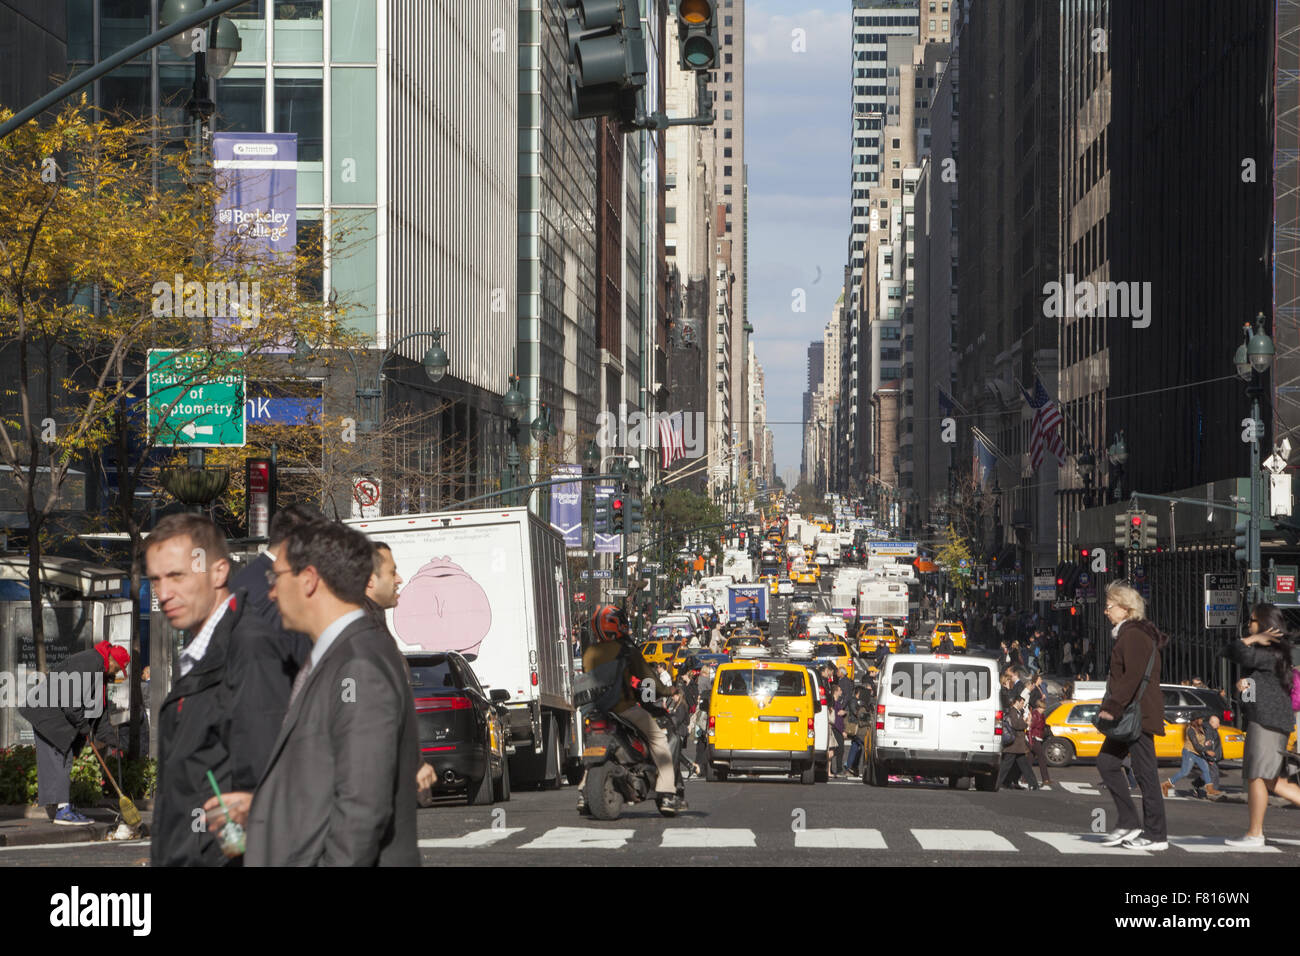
726,170
726,133
728,209
933,26
726,39
726,152
726,115
726,190
726,59
728,225
897,143
945,26
726,21
726,96
300,108
670,214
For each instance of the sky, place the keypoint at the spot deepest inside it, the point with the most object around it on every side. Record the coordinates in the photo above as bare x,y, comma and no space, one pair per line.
797,147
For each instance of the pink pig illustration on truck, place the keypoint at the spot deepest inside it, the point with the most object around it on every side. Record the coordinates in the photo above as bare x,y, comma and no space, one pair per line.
442,608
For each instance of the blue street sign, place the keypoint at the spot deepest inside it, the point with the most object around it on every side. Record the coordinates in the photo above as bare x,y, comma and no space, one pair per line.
263,410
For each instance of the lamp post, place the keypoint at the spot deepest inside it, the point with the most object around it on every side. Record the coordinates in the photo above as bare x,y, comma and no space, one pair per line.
1118,455
1087,465
1254,358
516,407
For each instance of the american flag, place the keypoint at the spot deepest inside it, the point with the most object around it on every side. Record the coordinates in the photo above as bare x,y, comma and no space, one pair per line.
672,439
1045,433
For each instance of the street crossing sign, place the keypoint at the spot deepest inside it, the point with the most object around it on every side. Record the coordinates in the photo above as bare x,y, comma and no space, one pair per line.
196,398
1222,601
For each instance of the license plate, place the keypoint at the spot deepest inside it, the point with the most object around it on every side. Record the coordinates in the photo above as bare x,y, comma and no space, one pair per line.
776,728
905,723
593,752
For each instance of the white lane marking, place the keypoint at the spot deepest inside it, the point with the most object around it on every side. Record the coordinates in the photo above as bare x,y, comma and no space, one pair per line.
1075,843
1086,789
474,838
1280,840
81,845
580,838
1209,844
711,837
837,838
964,840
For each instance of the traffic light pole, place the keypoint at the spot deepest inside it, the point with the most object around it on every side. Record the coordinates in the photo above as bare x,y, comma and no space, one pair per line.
1256,495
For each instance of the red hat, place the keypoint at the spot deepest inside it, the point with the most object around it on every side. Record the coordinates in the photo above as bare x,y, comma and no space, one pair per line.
119,654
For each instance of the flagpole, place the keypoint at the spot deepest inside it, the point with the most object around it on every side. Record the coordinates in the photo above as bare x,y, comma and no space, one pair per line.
1061,407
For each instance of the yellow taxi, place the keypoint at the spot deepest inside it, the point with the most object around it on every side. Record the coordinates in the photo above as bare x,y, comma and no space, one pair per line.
772,584
953,629
871,636
837,652
1071,735
660,652
809,574
761,721
679,658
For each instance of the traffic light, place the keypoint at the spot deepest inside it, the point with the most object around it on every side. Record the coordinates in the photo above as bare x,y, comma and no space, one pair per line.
604,516
1242,540
1060,581
1121,530
1136,521
697,34
607,59
1117,565
1148,531
635,515
616,505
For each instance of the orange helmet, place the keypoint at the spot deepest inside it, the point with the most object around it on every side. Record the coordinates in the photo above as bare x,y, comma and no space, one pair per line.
609,623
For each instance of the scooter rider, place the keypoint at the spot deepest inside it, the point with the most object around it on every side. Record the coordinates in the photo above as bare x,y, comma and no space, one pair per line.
610,630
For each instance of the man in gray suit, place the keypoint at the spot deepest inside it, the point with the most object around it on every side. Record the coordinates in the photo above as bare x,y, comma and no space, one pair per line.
337,790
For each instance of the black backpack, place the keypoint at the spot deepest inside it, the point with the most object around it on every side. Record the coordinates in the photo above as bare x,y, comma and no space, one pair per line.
602,688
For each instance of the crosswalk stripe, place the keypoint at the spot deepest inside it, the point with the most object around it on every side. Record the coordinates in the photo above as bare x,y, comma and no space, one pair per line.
713,837
1076,843
474,838
968,840
1208,844
580,838
837,838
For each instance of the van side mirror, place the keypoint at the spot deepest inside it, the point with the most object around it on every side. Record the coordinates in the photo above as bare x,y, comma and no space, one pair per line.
499,695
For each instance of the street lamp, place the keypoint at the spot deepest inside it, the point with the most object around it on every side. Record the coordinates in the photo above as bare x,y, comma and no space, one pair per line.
542,426
1118,455
1253,359
513,400
1087,465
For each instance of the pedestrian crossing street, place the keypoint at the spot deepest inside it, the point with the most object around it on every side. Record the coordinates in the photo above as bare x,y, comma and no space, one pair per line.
827,838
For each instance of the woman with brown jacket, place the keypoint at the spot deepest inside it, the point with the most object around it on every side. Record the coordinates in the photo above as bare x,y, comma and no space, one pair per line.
1015,749
1137,644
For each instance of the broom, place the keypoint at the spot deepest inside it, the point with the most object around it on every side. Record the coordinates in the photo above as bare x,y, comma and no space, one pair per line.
130,815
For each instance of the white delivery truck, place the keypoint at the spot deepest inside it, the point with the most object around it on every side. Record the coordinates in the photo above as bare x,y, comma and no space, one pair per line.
844,591
808,532
827,543
884,598
739,566
493,585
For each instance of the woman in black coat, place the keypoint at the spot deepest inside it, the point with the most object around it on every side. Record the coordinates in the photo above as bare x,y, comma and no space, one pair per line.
1265,655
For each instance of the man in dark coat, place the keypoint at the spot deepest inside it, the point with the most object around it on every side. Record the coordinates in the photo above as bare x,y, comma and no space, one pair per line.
337,790
225,708
64,711
257,589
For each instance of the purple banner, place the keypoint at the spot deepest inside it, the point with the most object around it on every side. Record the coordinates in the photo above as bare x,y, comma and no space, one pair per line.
566,505
257,210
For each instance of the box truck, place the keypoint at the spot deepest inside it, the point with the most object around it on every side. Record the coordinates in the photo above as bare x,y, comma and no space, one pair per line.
493,585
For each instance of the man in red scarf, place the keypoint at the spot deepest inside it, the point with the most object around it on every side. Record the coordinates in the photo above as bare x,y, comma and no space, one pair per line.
64,708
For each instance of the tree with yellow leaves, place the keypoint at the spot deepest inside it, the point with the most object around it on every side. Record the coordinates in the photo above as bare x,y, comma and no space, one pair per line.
107,250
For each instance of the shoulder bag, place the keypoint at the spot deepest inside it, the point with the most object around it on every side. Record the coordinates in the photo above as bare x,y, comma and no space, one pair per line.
1129,726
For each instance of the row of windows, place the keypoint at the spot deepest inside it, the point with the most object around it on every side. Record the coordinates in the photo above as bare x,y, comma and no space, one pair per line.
945,26
890,21
945,8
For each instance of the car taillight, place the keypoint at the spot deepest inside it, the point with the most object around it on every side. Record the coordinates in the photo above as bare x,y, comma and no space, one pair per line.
997,721
596,725
880,716
534,678
1227,716
811,732
443,703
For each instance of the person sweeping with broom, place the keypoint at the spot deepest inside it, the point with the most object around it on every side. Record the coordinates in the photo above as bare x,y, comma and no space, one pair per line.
62,726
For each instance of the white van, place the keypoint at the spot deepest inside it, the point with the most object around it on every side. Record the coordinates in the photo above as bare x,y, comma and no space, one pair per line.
936,715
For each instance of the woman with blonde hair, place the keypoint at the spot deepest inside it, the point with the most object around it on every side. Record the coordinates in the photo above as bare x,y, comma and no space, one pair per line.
1134,680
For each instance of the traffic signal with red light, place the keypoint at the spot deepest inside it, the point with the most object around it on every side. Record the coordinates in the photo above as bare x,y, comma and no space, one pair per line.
616,509
1135,521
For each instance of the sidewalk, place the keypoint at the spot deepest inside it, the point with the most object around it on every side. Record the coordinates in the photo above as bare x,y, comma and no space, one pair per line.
31,826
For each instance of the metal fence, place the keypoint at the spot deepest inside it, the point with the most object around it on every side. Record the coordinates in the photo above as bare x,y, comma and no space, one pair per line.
1174,588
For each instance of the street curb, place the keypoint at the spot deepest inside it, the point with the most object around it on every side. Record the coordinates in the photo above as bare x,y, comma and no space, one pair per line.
37,835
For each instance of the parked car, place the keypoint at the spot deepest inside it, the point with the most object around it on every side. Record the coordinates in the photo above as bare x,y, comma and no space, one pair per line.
464,731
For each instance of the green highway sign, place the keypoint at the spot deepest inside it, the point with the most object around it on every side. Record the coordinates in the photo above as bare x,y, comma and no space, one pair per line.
195,401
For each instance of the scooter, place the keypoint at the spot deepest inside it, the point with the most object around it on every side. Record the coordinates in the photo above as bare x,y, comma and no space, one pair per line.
620,768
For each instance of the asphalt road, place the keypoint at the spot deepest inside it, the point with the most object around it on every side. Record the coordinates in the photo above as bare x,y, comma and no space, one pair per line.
781,822
761,821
